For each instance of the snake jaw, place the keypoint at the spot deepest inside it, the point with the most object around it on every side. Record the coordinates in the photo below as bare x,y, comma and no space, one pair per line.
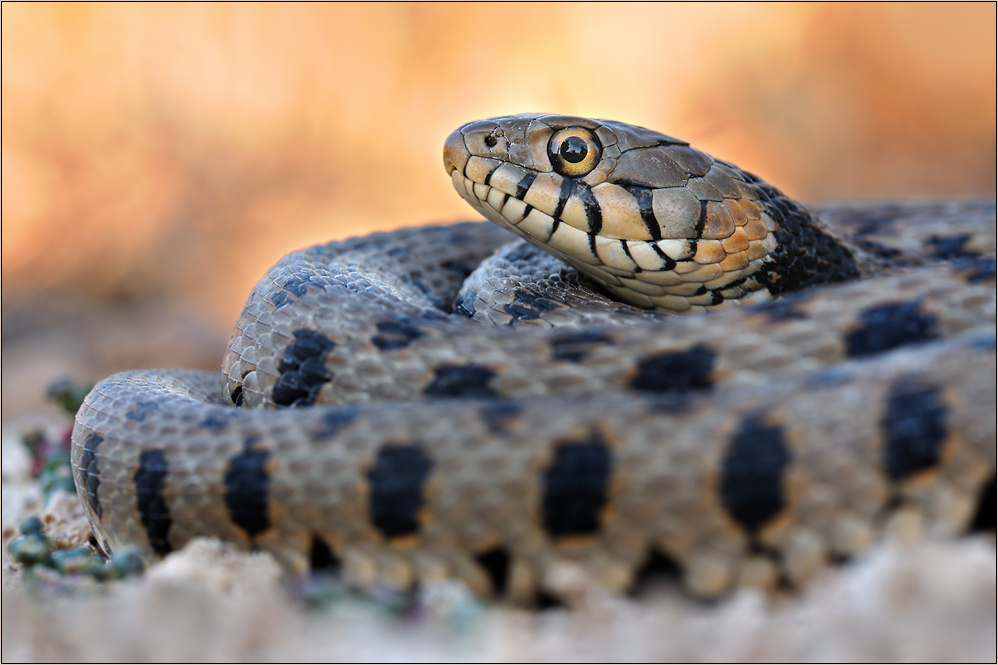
656,222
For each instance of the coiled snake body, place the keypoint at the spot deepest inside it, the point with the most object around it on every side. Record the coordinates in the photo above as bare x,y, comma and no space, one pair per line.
390,409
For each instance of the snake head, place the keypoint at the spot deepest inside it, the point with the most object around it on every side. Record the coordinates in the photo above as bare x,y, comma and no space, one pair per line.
658,223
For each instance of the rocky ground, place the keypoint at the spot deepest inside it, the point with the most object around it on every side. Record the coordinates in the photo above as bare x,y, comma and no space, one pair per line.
903,602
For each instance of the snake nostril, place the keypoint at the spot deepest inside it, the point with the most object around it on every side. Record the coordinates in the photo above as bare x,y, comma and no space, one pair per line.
455,153
491,141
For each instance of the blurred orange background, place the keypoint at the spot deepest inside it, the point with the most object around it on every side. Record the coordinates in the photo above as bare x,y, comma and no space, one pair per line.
158,158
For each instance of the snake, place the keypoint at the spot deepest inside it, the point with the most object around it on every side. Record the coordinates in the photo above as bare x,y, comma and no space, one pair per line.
671,368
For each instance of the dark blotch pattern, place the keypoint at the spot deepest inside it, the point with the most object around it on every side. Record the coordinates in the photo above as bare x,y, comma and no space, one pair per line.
397,333
150,480
214,421
781,309
980,270
528,306
948,248
574,346
883,221
676,371
496,563
396,489
295,286
302,371
246,487
887,327
138,414
462,270
90,473
499,414
321,557
752,473
237,395
575,487
461,381
334,420
658,566
984,516
915,430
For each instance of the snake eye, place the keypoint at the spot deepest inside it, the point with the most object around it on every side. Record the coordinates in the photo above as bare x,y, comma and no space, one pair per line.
574,151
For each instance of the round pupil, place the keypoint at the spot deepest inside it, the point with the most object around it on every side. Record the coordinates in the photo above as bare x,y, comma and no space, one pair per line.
574,149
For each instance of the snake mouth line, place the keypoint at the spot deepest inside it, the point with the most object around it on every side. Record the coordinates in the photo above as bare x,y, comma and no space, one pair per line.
654,274
536,227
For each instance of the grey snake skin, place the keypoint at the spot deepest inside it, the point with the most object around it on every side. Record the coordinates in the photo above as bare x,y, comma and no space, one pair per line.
440,402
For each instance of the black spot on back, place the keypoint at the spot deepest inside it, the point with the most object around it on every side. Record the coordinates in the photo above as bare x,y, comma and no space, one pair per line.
496,563
246,485
499,414
90,471
461,381
887,327
947,248
215,420
658,567
321,557
528,306
396,489
984,516
574,346
294,287
460,269
397,333
138,414
335,420
302,371
575,486
915,430
676,371
150,479
871,222
979,270
546,601
237,395
430,295
521,252
752,473
781,309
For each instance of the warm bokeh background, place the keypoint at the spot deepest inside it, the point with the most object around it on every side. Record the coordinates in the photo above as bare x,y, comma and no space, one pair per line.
157,158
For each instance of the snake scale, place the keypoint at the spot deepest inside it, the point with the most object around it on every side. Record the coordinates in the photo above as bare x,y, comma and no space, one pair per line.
441,402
